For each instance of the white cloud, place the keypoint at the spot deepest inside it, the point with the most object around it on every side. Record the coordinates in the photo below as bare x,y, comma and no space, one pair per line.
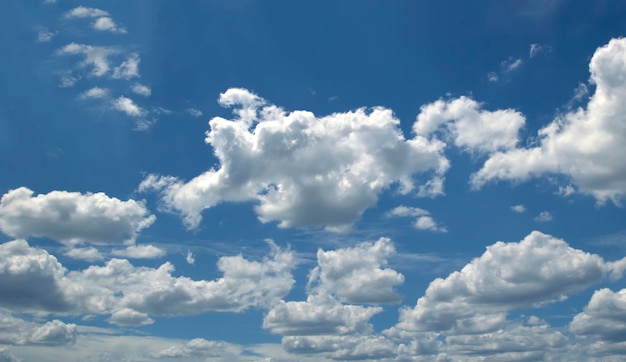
200,348
71,217
537,270
141,89
126,105
544,216
423,221
319,315
342,348
511,64
604,318
584,145
105,23
95,93
140,252
85,12
303,171
130,317
357,274
518,208
428,223
469,126
191,260
33,281
89,254
194,112
128,69
95,56
17,331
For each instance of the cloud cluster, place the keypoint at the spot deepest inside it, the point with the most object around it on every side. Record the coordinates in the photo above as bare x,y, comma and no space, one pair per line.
423,221
537,270
72,218
32,280
303,170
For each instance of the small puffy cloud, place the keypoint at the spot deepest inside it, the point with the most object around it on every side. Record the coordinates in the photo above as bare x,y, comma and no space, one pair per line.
105,23
85,12
537,270
89,254
126,105
428,223
54,333
68,80
190,258
71,217
141,89
470,127
584,145
194,112
319,315
129,317
300,169
128,69
544,216
357,274
95,93
423,221
95,56
518,208
140,252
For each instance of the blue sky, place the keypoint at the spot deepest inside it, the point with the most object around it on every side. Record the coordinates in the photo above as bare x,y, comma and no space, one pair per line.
312,181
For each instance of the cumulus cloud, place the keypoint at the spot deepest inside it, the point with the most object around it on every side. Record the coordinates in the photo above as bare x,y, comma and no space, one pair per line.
71,217
200,348
342,348
95,93
33,281
303,170
470,127
105,23
357,274
518,208
140,252
190,258
128,106
89,254
584,145
319,315
141,89
85,12
537,270
604,318
17,331
423,221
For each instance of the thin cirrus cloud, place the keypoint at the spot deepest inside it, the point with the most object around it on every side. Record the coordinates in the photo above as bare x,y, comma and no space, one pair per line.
303,170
